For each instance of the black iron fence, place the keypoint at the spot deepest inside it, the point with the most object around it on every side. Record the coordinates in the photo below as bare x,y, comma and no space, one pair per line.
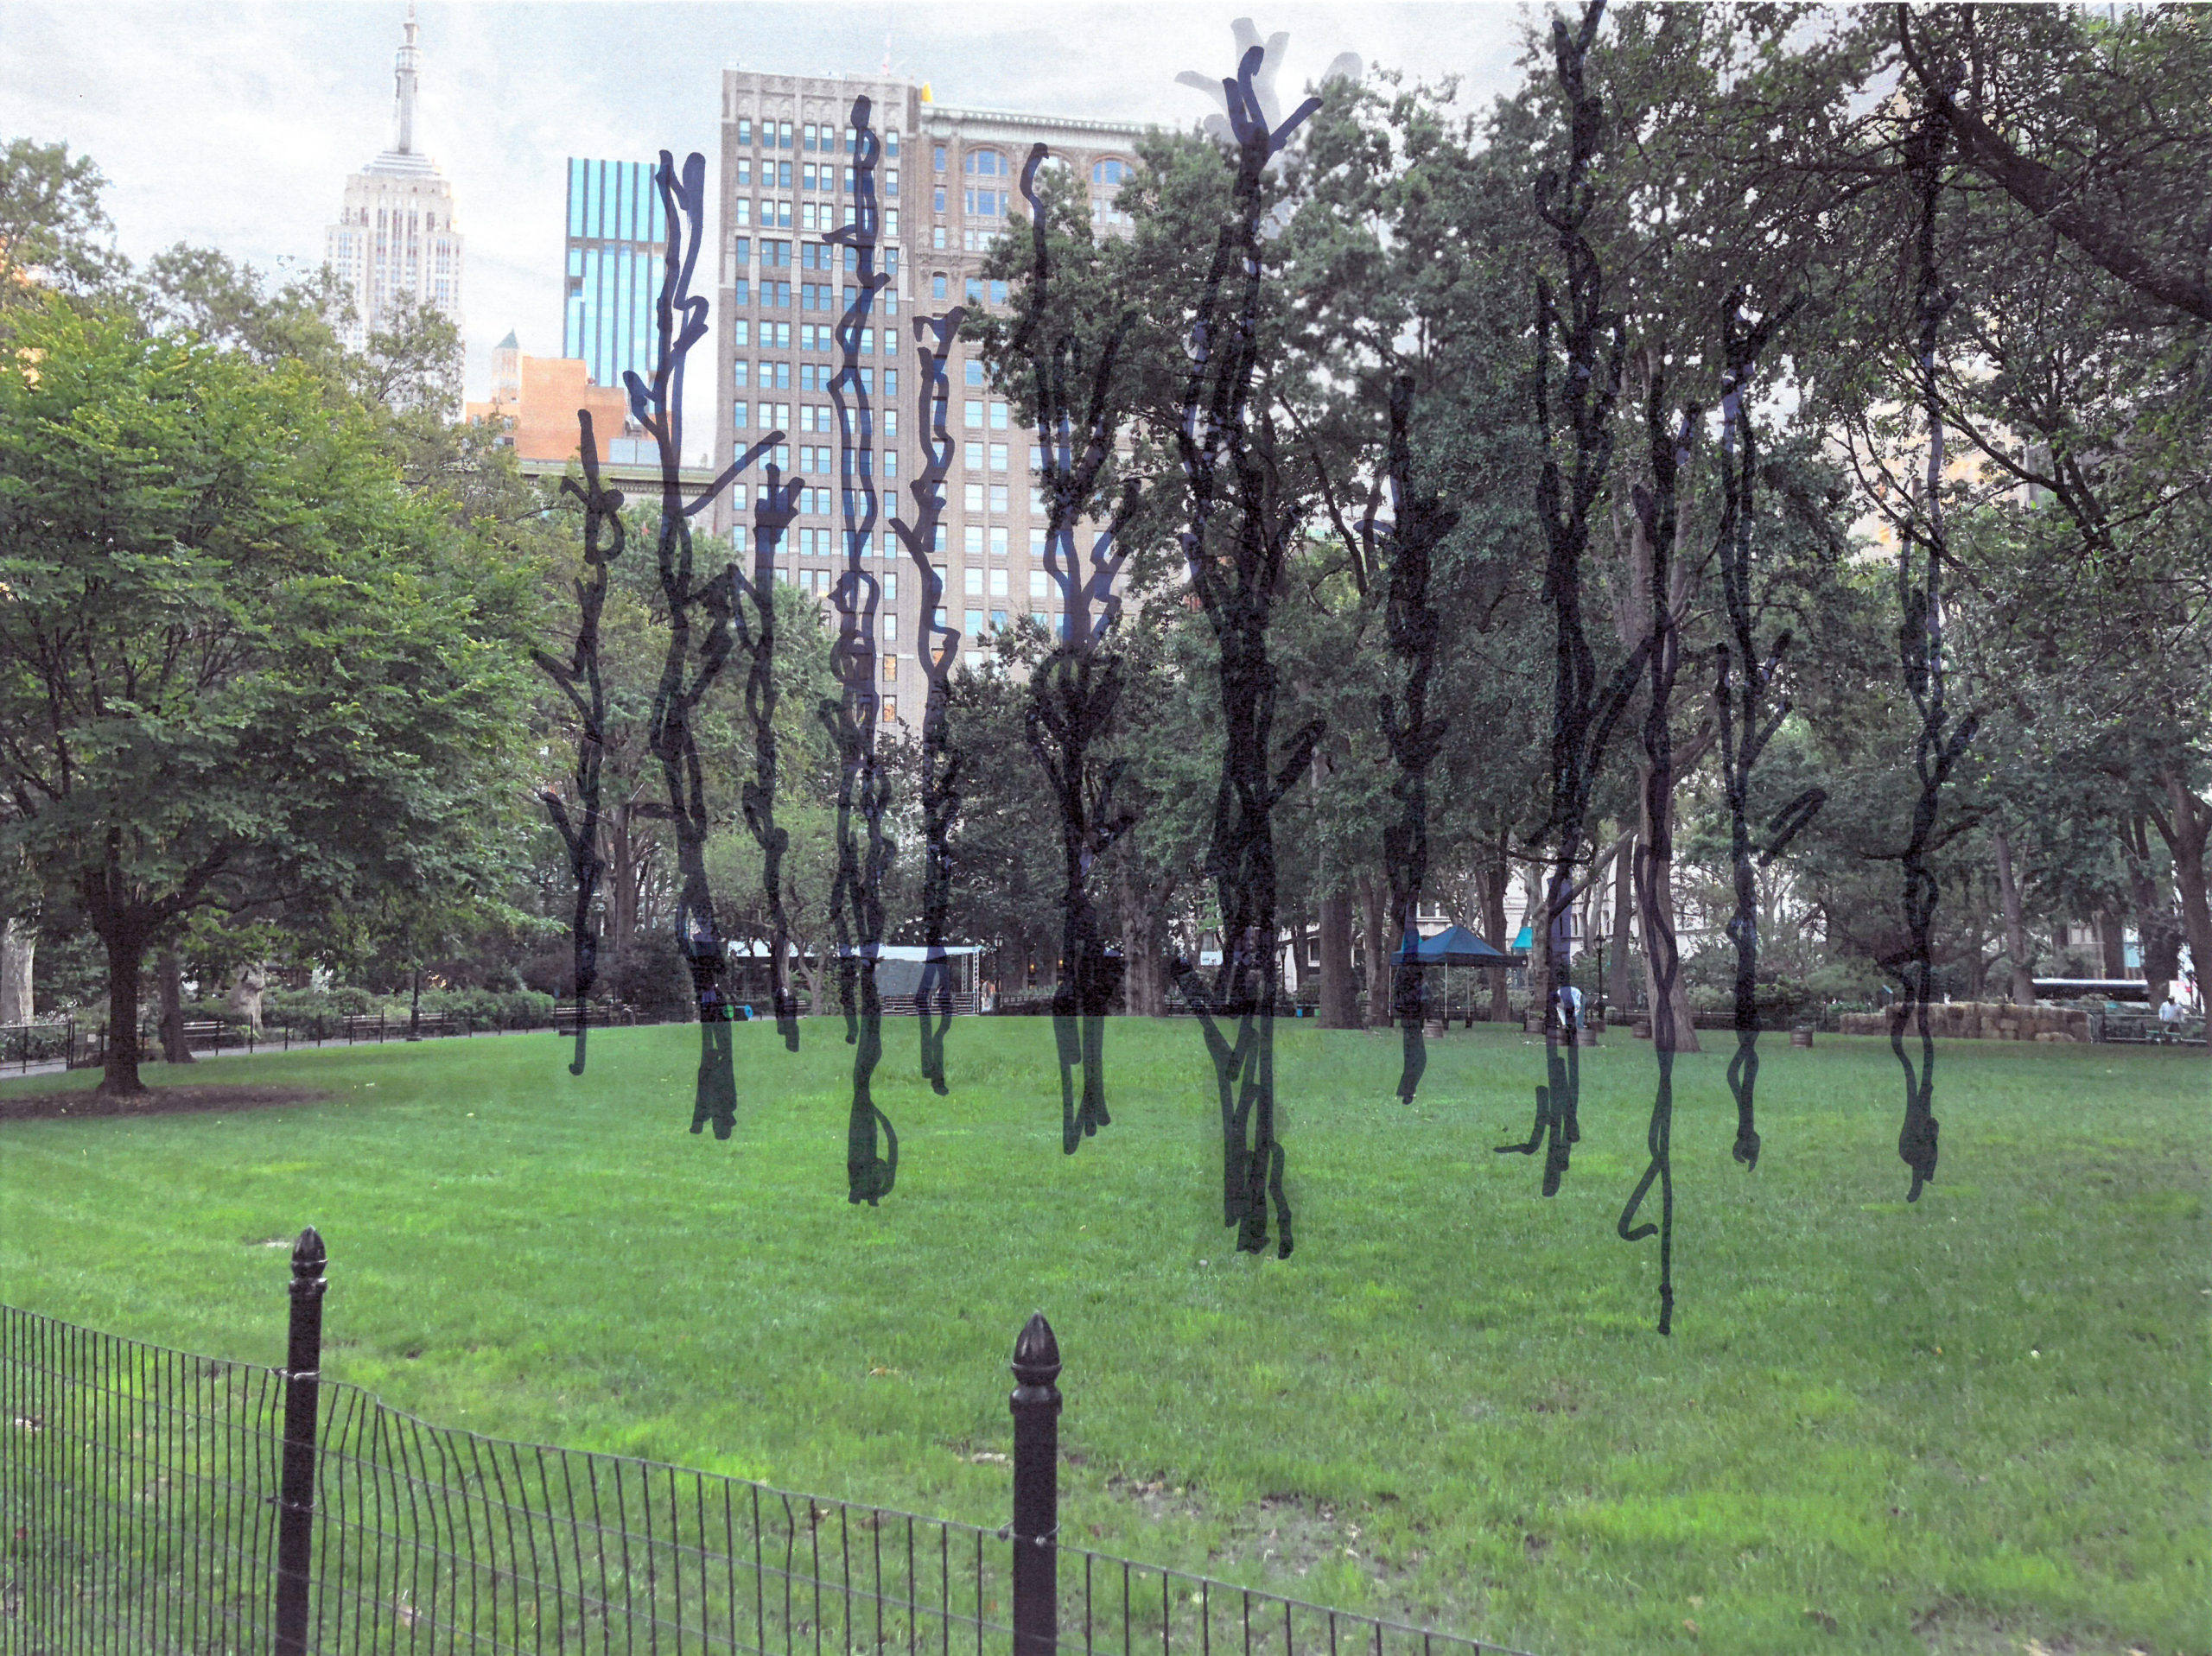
155,1502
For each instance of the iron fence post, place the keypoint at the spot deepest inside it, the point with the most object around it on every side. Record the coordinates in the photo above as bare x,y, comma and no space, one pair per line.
1035,1531
295,1500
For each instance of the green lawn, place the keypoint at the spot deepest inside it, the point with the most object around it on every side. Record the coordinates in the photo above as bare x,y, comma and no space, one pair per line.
1974,1423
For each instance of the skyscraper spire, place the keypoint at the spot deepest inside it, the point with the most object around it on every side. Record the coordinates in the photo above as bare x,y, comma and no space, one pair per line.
404,71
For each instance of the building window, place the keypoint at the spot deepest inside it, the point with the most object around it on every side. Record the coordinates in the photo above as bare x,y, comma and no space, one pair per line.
890,183
998,540
998,416
998,619
998,457
1109,171
745,132
972,414
974,549
998,499
890,628
986,163
936,237
937,151
975,619
784,138
744,173
998,583
972,497
738,417
937,285
975,367
891,669
937,200
738,371
1037,583
890,709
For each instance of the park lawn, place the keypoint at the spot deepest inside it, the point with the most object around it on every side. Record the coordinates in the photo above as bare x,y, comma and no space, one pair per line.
1971,1424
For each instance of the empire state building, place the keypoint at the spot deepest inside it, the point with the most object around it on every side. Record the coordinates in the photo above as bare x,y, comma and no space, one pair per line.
396,233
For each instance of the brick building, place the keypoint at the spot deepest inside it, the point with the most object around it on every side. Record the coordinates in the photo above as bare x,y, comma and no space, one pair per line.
534,402
947,183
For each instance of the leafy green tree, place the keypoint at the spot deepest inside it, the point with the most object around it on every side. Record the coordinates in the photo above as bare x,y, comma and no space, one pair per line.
241,667
54,232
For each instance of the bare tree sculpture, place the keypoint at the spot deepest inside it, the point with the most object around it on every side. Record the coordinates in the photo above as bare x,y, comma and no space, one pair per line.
1073,691
857,901
1235,541
579,679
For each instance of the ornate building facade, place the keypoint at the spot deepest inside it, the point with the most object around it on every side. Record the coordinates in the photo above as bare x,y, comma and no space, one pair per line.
397,233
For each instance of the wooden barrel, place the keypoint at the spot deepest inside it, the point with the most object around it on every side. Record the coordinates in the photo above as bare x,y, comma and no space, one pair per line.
1533,1023
1642,1029
1801,1038
1586,1036
1434,1027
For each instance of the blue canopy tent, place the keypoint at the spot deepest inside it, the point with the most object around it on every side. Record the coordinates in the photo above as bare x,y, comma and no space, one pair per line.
1454,946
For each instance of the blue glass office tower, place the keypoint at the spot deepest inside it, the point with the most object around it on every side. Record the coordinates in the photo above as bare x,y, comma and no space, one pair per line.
616,244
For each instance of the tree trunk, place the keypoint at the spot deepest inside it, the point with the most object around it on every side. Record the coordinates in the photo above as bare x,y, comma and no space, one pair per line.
1617,972
1374,903
1540,939
174,1048
2185,827
2016,930
1336,1010
126,961
2155,921
18,944
1491,879
1655,843
2112,944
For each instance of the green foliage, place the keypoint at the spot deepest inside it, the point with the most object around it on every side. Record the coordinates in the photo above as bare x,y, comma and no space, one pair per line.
53,230
242,668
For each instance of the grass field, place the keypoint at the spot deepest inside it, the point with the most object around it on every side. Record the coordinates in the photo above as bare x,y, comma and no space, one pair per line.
1978,1423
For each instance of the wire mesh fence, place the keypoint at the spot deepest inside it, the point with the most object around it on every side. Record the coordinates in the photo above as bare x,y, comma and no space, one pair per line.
142,1495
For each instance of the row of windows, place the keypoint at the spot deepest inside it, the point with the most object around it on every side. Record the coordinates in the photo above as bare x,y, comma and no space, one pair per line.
989,163
775,254
812,336
812,377
811,136
819,217
813,417
940,281
805,176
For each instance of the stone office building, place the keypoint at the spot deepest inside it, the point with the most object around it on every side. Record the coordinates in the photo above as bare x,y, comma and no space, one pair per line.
947,183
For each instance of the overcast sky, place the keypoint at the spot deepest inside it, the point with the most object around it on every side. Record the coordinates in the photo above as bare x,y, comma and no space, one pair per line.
234,125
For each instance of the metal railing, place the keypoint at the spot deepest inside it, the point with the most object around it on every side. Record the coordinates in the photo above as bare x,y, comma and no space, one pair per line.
153,1501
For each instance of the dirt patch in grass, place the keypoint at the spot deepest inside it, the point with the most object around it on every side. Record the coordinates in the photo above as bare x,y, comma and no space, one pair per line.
160,1100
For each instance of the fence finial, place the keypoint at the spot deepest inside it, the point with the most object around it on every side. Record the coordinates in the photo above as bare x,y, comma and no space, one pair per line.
308,1260
1036,1355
